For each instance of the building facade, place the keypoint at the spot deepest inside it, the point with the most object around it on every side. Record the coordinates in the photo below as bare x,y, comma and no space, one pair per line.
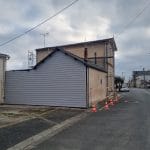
101,52
60,79
3,59
141,79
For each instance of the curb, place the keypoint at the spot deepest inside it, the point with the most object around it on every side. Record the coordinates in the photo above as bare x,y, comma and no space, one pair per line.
119,97
48,133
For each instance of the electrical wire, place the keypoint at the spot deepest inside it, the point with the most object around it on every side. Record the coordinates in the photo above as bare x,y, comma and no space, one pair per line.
33,28
131,22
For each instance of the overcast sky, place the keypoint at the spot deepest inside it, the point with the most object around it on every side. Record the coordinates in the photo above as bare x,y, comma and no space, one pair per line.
87,19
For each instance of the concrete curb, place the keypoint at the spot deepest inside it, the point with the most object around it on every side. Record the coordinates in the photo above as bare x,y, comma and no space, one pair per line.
119,97
101,103
38,138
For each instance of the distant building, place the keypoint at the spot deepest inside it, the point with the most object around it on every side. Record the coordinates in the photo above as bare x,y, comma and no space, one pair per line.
141,79
3,59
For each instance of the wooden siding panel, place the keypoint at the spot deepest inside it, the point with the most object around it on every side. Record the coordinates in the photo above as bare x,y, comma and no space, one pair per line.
76,50
59,81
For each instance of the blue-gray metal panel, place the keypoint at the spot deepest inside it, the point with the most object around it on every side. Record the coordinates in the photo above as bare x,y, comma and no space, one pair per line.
59,81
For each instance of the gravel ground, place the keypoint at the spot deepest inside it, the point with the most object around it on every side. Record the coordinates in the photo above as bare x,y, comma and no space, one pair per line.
43,119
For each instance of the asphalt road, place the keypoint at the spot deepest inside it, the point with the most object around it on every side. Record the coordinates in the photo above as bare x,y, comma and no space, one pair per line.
126,126
11,135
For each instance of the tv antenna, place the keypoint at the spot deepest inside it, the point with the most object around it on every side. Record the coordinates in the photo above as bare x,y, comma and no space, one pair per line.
44,36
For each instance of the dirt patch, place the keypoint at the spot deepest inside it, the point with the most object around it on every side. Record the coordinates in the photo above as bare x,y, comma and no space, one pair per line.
36,111
11,115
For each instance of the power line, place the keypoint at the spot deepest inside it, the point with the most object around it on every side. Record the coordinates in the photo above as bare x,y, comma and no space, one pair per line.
31,29
138,15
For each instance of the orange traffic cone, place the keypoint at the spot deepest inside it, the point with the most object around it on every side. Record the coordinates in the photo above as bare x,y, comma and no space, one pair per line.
94,109
106,107
111,102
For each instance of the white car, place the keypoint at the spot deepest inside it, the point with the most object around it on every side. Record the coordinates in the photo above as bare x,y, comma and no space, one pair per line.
124,89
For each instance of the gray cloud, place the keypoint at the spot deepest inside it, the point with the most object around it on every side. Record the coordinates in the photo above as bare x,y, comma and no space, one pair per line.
93,19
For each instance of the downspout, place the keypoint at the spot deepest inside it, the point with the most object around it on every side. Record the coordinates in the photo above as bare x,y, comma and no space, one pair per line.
3,80
87,87
87,77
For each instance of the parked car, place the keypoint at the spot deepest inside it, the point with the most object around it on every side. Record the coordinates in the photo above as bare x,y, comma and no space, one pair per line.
124,89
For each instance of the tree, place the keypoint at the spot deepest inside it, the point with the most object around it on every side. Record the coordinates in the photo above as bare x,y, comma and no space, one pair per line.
118,82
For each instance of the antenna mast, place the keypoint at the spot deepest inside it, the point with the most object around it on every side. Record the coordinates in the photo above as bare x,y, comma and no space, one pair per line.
44,36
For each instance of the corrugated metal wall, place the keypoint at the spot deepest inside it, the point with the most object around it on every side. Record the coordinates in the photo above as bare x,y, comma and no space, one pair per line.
59,81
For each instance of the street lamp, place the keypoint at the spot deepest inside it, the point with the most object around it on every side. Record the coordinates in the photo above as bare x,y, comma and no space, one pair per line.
144,76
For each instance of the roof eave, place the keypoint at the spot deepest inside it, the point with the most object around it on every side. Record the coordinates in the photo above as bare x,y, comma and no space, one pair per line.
4,56
81,43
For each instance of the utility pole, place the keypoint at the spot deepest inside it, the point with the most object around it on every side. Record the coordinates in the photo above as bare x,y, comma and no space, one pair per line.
44,36
134,79
144,76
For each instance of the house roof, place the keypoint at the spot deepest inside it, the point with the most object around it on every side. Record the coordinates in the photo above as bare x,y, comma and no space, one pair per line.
110,40
88,64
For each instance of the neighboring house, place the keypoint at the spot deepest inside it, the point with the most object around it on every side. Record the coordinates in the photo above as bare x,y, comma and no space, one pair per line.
59,79
141,79
102,50
3,58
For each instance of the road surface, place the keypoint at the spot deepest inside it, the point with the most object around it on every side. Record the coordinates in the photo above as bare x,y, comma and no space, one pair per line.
126,126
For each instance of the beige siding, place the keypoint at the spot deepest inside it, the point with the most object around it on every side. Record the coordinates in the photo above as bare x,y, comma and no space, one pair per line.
97,86
2,78
92,48
76,50
42,54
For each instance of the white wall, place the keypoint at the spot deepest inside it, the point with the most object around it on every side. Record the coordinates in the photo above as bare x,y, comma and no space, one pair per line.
147,77
139,80
2,79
